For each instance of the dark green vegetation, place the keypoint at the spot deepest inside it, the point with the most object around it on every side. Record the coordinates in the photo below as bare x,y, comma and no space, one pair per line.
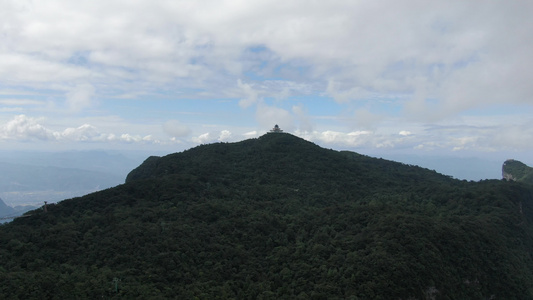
518,171
276,218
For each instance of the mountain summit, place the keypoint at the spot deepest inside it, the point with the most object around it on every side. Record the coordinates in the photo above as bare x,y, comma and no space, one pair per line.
276,217
278,158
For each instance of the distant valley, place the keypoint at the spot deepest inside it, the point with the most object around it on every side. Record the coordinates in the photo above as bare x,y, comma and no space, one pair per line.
30,178
468,168
7,213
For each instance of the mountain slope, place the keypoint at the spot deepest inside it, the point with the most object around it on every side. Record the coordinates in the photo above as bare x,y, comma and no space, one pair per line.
277,218
281,158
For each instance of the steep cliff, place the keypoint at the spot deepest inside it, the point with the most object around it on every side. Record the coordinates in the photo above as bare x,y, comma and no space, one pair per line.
517,171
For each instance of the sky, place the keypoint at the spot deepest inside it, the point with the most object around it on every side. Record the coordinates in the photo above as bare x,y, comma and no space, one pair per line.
450,78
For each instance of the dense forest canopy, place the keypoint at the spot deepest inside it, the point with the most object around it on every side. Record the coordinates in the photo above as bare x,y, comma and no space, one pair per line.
276,217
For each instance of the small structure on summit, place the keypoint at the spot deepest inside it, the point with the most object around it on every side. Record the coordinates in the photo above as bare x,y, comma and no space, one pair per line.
276,129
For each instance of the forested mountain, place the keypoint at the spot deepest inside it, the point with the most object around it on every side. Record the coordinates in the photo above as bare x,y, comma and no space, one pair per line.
276,218
518,171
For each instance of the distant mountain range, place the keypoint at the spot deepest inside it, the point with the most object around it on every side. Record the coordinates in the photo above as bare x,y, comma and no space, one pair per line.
7,213
468,168
18,177
276,217
5,210
30,184
109,162
34,177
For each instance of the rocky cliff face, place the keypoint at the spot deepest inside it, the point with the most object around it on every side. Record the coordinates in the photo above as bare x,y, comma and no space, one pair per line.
517,171
505,168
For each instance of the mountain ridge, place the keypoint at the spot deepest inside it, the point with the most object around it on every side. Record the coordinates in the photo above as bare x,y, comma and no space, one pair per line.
279,147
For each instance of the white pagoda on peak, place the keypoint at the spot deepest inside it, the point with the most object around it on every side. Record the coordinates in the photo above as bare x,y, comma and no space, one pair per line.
276,129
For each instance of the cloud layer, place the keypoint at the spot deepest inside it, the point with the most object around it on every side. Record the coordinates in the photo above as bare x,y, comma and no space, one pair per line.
356,73
24,128
351,48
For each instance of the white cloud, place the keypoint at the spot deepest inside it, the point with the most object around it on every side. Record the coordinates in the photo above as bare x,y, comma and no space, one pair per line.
515,134
304,122
24,128
346,41
366,119
434,61
11,109
512,136
339,139
27,69
350,93
251,134
250,95
80,97
20,102
175,128
344,44
203,138
85,132
126,137
211,137
267,116
224,136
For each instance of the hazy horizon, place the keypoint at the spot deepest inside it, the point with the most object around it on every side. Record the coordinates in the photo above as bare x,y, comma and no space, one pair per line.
110,167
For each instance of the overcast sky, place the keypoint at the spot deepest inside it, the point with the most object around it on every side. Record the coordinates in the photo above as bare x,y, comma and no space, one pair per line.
418,77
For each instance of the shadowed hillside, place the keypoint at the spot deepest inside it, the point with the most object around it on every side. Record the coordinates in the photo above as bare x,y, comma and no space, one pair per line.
276,218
